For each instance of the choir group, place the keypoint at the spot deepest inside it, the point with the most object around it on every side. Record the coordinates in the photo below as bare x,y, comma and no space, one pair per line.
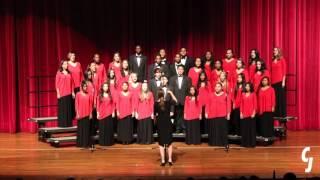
191,96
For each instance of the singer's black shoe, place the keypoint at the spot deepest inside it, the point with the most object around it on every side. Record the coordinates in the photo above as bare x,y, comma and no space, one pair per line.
163,164
170,163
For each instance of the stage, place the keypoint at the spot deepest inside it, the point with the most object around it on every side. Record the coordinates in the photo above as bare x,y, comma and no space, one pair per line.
22,155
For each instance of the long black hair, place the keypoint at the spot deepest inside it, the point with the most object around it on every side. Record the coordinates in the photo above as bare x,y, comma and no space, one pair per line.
86,75
195,93
205,79
263,66
61,68
102,92
238,84
244,87
256,58
122,70
220,61
204,60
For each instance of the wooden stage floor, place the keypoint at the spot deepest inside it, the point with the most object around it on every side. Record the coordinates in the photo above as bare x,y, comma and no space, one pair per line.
22,155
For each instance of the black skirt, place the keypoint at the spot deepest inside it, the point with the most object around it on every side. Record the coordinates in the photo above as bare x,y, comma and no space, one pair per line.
144,131
218,131
106,132
266,126
75,90
65,114
204,122
234,123
193,131
83,133
94,123
248,132
281,103
125,130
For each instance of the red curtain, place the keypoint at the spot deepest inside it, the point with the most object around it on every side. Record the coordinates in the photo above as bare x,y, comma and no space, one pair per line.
36,35
292,25
8,99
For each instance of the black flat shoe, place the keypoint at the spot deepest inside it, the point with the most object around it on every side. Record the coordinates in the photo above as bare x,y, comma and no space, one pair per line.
170,163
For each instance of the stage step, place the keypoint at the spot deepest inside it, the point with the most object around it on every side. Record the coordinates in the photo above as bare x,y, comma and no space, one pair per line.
42,120
57,141
45,133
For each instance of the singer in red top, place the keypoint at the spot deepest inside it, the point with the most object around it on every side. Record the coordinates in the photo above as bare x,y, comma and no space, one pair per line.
266,105
112,81
105,115
234,128
125,74
192,116
64,88
204,90
248,109
261,72
229,63
100,69
75,70
278,81
125,112
194,72
88,78
95,77
144,115
116,65
240,69
84,107
215,74
134,89
208,64
254,57
217,113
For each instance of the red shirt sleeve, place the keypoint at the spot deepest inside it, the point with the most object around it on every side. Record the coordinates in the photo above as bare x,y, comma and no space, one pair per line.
228,104
273,97
58,81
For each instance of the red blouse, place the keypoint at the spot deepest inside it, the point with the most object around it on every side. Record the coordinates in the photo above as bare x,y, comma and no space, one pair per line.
83,104
124,104
252,71
192,109
266,100
121,80
117,69
229,66
218,106
105,107
203,94
135,91
101,72
256,80
145,108
76,74
91,89
207,69
235,76
194,76
248,104
215,76
236,98
96,82
64,84
278,70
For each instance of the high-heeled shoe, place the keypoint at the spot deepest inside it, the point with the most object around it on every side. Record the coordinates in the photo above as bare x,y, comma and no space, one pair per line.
170,163
163,164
